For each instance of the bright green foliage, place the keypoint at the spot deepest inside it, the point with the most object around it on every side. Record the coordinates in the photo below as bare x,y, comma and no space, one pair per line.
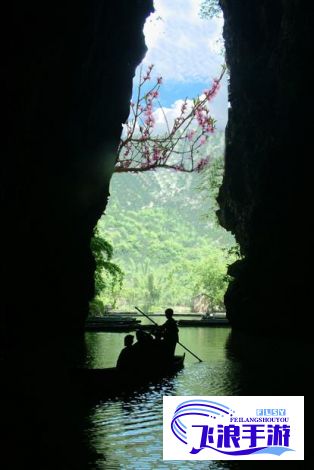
211,278
166,239
108,275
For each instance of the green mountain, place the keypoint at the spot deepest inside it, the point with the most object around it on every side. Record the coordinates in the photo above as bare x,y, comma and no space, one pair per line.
163,230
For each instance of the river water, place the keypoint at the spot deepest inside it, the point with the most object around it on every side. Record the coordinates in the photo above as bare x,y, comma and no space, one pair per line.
126,431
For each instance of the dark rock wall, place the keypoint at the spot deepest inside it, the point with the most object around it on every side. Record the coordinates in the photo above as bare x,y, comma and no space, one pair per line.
264,199
66,79
66,83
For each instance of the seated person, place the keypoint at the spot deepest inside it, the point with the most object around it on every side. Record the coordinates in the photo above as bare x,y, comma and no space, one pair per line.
126,356
144,351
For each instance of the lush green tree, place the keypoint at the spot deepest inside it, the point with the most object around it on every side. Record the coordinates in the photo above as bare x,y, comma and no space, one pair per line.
156,222
211,277
108,275
144,232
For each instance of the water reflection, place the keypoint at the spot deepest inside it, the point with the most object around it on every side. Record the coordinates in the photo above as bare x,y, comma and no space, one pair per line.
207,343
126,432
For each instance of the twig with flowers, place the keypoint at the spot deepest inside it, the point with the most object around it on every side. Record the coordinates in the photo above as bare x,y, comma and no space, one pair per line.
178,148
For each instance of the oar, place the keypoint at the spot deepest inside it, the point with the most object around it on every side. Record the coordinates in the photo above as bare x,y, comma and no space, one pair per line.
184,347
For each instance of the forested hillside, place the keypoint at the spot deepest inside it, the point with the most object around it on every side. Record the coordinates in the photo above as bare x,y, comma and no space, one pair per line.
165,237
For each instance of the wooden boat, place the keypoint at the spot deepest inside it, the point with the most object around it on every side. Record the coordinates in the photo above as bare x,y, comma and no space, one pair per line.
206,320
111,322
112,381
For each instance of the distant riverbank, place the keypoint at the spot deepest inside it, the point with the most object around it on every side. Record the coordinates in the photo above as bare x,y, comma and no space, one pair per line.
161,314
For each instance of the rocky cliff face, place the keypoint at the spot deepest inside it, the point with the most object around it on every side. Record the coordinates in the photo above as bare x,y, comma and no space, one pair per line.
66,81
264,199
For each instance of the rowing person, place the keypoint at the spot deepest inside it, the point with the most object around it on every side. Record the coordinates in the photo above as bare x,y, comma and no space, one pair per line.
170,334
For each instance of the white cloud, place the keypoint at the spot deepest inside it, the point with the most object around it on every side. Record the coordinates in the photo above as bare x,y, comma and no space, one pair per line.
218,111
181,45
169,114
162,117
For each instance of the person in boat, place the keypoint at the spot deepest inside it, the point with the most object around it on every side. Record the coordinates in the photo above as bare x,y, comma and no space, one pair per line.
145,352
143,343
169,333
126,356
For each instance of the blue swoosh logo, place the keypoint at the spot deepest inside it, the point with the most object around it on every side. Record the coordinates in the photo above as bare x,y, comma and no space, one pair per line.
276,450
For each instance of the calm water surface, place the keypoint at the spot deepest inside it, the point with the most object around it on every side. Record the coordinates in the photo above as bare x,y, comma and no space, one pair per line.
126,432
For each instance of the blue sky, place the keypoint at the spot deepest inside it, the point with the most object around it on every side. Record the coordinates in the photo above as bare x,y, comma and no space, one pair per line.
185,51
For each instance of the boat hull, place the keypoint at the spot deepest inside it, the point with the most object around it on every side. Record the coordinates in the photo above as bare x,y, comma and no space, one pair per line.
111,381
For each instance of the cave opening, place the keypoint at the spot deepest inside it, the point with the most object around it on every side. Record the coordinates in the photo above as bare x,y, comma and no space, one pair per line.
155,222
58,67
160,218
236,363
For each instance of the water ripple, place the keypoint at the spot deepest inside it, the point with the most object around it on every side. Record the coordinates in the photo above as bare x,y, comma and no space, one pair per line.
126,431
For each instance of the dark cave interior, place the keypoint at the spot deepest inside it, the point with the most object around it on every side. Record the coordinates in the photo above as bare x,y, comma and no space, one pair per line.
61,127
